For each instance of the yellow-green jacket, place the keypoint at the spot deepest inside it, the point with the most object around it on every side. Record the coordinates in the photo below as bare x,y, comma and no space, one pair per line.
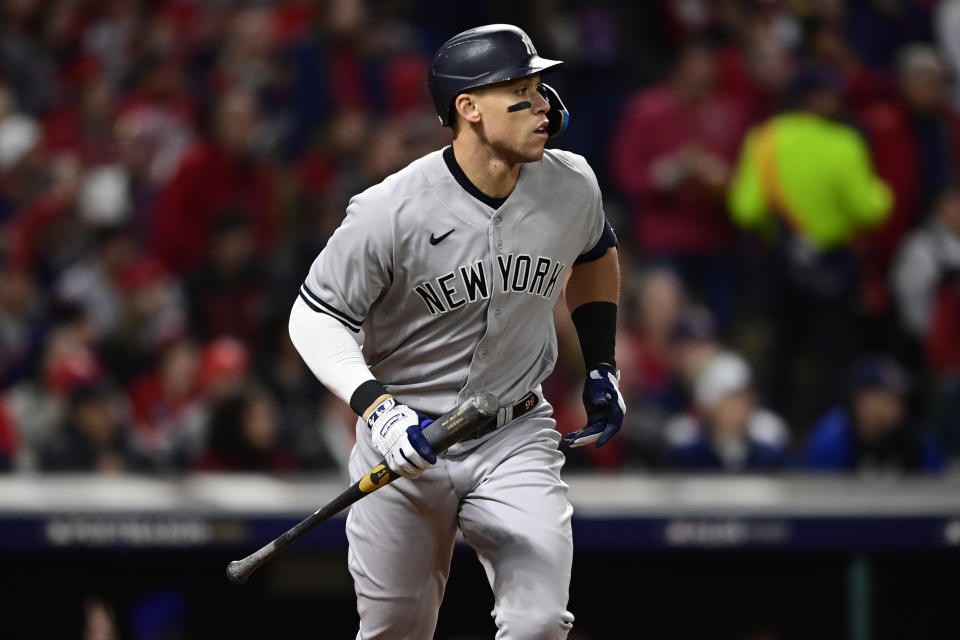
812,173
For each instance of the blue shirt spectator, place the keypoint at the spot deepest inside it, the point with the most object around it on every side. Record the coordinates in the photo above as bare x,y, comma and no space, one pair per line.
871,431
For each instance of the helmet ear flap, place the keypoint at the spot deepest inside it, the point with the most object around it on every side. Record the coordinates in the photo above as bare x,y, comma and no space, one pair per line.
558,116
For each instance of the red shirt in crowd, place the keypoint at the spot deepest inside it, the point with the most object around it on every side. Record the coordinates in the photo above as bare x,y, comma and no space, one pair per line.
208,183
943,336
656,123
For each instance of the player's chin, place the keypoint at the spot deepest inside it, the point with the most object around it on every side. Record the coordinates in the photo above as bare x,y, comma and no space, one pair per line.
534,150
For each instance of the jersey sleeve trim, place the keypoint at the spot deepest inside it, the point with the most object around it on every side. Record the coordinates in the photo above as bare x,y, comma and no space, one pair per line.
607,239
318,305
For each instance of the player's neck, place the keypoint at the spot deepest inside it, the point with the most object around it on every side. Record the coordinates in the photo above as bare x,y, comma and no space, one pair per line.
485,169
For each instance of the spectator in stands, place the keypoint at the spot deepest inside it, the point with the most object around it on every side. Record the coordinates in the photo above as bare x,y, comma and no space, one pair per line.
648,379
243,435
942,346
172,403
947,28
94,436
726,431
827,46
167,408
915,144
946,416
94,282
22,172
23,324
9,439
38,402
150,144
223,370
246,55
753,52
153,314
228,294
215,175
767,67
693,344
872,431
805,180
85,127
25,63
300,402
942,340
671,158
925,259
159,85
45,233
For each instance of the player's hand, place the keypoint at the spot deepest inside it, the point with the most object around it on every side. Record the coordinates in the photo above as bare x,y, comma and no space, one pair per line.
396,432
604,405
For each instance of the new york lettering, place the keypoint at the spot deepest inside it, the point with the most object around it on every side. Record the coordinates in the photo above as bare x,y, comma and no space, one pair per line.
517,273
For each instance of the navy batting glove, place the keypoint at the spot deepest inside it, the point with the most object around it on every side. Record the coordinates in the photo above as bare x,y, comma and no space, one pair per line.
419,442
604,405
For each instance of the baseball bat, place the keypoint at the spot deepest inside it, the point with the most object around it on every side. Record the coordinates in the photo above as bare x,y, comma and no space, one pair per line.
451,427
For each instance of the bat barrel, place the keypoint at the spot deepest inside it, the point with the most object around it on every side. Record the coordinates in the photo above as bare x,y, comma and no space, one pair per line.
452,427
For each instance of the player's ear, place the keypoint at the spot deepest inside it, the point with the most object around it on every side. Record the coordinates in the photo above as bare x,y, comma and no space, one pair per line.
466,105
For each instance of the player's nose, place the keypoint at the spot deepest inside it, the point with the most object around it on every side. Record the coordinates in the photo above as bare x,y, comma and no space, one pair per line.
541,104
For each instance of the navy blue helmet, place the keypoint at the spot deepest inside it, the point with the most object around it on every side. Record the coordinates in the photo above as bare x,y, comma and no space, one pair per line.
481,56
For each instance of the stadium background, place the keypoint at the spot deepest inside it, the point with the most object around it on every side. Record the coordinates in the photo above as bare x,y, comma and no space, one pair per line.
169,169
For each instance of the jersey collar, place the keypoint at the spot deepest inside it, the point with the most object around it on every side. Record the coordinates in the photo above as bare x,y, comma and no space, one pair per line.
464,181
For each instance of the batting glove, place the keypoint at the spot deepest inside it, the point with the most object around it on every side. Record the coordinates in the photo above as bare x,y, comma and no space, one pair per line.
396,432
604,405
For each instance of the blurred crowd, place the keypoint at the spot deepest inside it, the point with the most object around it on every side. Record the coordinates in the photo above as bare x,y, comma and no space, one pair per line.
784,178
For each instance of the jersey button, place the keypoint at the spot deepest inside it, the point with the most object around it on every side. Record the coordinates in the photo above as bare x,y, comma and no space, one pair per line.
499,244
496,313
497,220
484,354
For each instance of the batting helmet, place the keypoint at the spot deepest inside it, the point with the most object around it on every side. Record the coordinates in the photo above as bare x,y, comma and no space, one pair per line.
482,56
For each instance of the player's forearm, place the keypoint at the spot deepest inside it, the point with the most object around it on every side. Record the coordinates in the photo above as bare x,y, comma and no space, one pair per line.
334,357
592,293
594,281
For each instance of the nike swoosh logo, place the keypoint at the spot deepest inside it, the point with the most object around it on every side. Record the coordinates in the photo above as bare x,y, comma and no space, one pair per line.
434,240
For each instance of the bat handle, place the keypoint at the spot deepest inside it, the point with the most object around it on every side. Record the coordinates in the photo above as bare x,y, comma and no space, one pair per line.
440,434
239,571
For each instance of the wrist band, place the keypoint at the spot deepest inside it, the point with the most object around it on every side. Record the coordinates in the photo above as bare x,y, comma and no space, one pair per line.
596,324
365,395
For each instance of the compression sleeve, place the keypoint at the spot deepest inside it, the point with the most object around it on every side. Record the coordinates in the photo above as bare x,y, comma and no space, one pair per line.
329,349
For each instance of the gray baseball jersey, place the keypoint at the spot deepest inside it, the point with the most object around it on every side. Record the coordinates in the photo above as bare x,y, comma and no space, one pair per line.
454,291
454,295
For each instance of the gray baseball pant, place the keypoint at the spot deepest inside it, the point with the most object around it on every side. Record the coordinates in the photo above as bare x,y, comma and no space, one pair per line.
508,500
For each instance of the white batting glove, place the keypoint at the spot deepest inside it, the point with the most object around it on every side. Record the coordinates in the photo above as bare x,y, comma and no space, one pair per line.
396,432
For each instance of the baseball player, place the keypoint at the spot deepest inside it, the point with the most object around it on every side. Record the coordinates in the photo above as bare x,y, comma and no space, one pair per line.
447,273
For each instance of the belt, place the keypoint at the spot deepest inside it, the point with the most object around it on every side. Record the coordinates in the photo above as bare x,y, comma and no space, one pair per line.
506,415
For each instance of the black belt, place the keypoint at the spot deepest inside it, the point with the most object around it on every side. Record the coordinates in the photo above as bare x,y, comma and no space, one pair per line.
514,411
